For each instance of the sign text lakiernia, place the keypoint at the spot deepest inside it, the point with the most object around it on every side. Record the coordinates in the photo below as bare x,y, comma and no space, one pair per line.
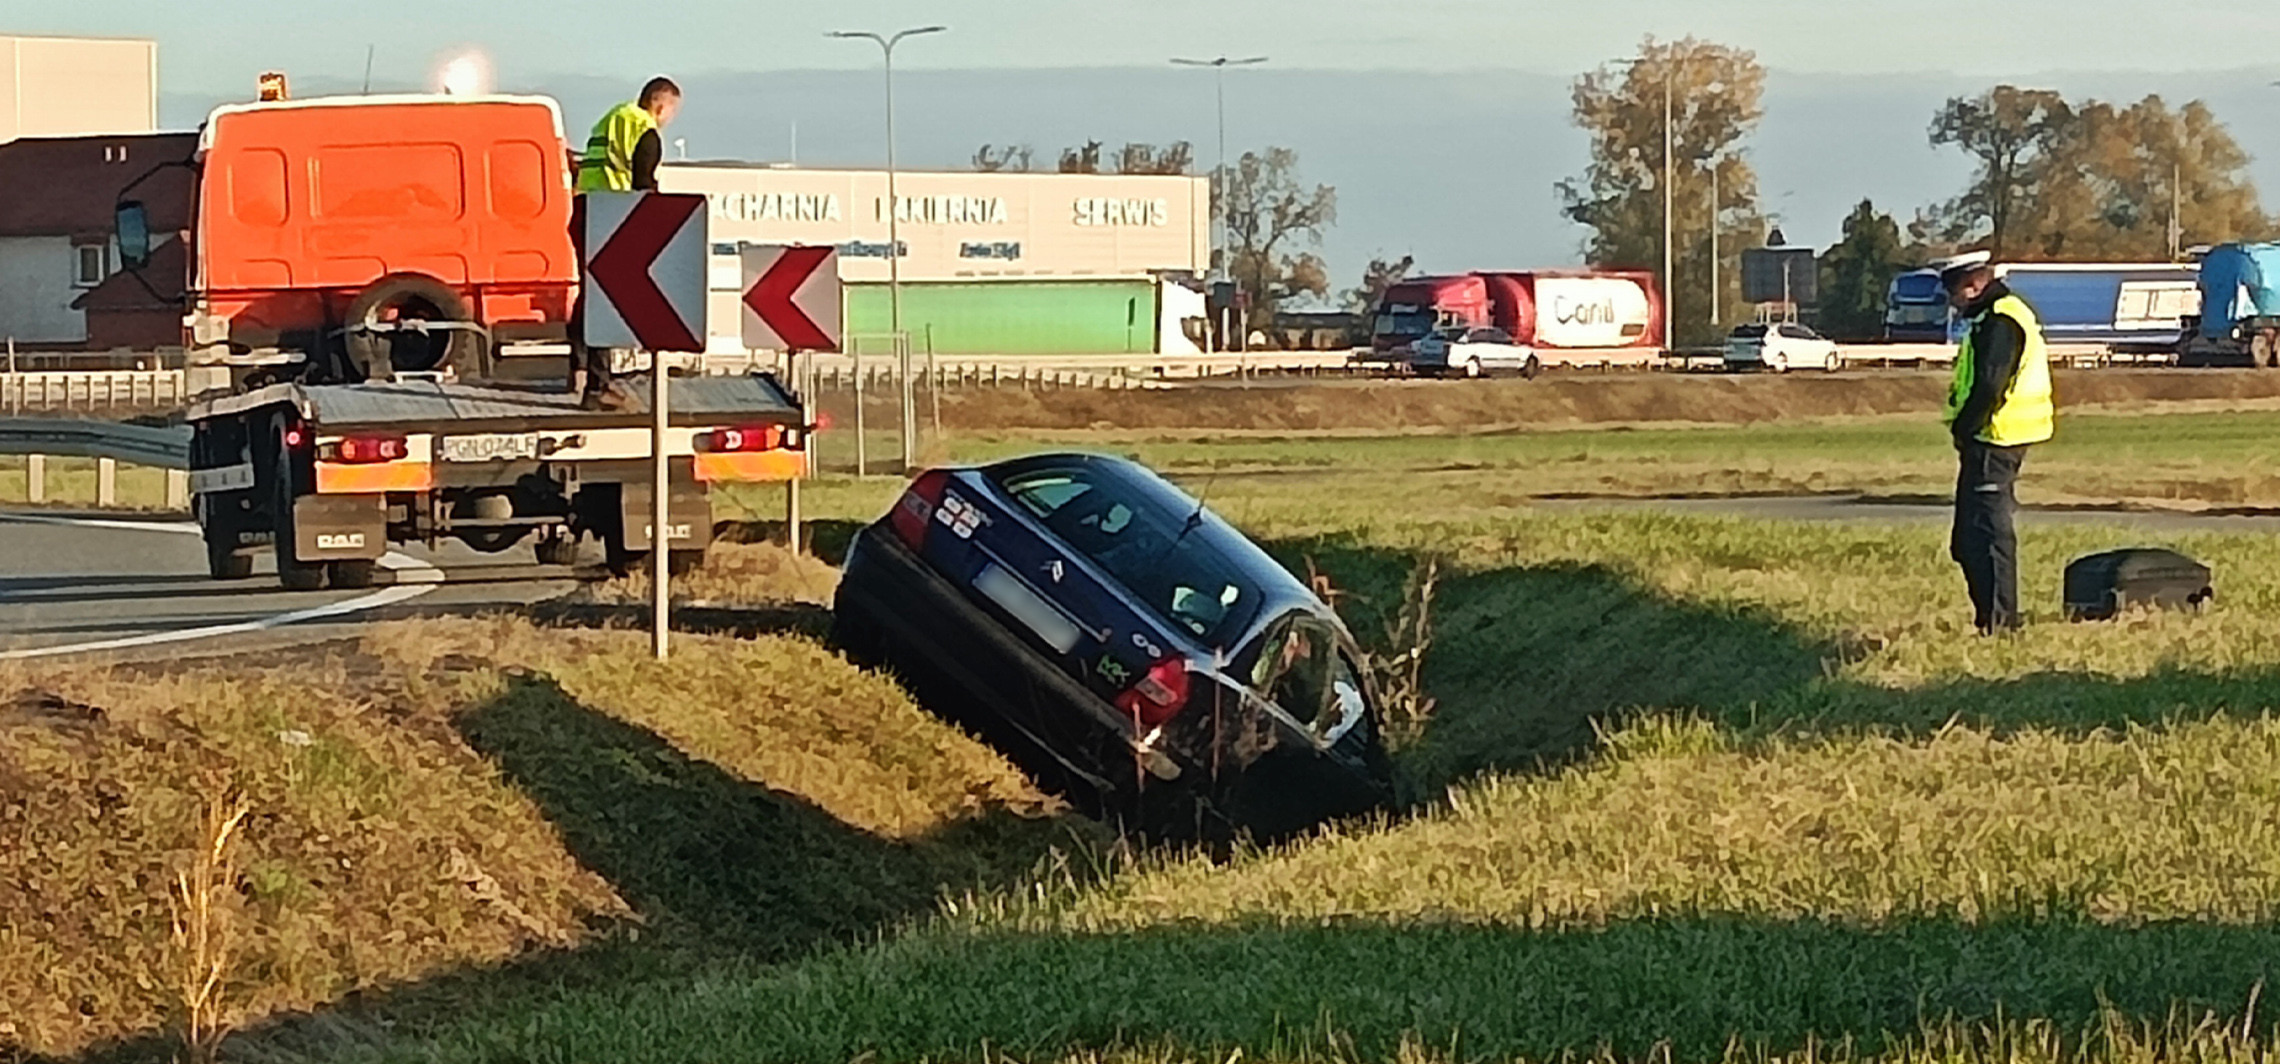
945,210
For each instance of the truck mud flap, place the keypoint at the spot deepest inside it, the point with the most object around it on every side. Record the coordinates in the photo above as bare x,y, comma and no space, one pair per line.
688,512
328,528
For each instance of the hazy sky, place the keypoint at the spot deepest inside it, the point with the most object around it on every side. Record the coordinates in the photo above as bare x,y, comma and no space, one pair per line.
210,45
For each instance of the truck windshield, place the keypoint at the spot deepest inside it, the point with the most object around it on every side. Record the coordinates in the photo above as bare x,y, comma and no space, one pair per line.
1405,323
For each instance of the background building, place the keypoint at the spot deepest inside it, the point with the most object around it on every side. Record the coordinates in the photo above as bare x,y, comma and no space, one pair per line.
992,263
72,86
75,128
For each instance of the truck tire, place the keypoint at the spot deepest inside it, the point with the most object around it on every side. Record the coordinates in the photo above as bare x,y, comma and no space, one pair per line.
351,575
225,560
2264,350
292,573
407,297
558,550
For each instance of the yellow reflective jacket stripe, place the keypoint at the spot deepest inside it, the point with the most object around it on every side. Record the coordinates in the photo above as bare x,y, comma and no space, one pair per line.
2027,412
607,165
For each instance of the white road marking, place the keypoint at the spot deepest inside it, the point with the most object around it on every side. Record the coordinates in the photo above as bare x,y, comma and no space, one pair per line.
414,578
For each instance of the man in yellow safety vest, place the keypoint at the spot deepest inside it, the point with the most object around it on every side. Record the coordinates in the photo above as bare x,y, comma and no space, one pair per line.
1998,405
621,156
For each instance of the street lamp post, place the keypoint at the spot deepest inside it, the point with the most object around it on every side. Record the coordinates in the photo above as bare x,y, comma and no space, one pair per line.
894,227
1221,219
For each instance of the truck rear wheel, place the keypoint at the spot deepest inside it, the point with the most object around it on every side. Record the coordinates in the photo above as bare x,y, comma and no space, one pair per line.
2264,349
292,573
225,560
354,574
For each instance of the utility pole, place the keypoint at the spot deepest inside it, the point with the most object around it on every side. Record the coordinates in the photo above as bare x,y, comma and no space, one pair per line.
894,230
1670,200
1716,296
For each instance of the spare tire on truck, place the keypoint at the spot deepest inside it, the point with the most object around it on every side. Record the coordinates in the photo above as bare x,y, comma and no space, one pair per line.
381,345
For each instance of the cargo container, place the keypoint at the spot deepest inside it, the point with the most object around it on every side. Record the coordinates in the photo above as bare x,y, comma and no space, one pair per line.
2121,307
1565,316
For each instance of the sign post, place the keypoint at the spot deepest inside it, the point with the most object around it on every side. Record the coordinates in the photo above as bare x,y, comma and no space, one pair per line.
792,303
645,270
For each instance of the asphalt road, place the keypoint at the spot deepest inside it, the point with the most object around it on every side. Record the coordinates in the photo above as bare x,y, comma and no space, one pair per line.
138,589
91,586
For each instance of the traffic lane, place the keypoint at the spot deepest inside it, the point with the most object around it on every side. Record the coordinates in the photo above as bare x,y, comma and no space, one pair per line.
139,589
1854,508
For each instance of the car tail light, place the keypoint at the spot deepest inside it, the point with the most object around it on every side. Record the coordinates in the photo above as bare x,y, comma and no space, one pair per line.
915,509
362,450
753,438
1159,695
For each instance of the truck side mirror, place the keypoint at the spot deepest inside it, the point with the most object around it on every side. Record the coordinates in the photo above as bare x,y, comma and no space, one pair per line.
133,230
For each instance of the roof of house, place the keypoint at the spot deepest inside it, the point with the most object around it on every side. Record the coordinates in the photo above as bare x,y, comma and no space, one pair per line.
69,186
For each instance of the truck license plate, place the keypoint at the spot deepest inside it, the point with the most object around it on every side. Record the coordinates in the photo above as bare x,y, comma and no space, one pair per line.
490,447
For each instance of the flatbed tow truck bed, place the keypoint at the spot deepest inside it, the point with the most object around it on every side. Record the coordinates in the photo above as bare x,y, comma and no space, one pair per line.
329,474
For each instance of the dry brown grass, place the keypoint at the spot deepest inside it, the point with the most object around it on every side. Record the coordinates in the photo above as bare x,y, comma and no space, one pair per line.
734,574
1557,400
206,917
453,795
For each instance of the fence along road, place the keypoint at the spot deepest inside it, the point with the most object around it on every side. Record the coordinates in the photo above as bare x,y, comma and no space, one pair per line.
108,443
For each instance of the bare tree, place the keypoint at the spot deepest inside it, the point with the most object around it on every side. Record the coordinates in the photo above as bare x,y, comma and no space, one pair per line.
1377,277
1269,215
1081,160
1011,158
1178,157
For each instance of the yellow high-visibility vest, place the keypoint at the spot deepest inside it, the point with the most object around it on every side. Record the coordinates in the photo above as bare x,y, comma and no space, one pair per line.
2026,413
607,165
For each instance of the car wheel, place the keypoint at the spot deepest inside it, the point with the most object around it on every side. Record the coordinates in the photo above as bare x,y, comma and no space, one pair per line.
1777,361
1834,362
1531,369
1472,369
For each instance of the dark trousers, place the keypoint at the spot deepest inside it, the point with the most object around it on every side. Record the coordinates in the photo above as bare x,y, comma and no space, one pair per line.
1985,541
589,366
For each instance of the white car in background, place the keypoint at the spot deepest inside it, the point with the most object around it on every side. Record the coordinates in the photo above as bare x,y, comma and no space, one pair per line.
1781,347
1471,352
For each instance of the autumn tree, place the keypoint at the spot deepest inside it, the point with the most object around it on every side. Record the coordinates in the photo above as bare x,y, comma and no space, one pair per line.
1857,271
1379,276
1714,96
1178,157
2021,140
1010,158
1274,223
2058,180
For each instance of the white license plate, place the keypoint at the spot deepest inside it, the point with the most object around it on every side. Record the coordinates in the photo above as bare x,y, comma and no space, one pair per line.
1028,607
491,447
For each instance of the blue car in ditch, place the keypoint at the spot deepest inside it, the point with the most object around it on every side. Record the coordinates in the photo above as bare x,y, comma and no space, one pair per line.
1149,660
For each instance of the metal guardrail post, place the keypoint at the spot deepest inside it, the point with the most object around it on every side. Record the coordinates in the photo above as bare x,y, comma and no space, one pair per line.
35,478
106,482
177,489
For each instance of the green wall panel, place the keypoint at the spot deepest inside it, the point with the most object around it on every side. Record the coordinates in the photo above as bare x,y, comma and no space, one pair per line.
1012,317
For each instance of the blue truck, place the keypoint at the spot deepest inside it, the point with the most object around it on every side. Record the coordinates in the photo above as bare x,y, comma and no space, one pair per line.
2238,320
2120,308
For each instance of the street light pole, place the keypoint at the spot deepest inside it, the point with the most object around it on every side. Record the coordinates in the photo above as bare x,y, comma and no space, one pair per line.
894,226
1222,218
1670,200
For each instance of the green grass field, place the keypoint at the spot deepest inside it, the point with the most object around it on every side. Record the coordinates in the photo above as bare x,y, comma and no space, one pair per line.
1695,789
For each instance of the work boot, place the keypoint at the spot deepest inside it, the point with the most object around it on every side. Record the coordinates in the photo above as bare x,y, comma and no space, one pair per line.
611,396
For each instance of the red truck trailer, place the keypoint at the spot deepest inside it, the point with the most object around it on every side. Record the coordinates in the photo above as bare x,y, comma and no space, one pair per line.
367,266
1564,316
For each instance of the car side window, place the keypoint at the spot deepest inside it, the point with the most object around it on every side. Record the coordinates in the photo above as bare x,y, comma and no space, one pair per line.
1798,332
1177,576
1296,668
1493,336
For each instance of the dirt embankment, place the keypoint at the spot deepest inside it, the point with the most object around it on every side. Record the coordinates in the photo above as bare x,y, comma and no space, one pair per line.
1557,401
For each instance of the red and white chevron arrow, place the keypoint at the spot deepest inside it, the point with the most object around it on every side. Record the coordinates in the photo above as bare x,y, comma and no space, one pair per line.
645,270
791,299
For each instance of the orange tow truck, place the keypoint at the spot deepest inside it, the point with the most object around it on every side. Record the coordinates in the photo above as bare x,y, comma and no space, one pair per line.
389,280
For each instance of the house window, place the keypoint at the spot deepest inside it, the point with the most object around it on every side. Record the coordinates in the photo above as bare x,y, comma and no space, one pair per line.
91,263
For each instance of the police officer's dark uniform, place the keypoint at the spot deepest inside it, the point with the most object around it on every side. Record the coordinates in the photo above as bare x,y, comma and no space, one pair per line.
1998,405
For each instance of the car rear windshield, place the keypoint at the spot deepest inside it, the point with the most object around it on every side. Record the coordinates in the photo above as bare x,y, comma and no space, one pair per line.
1918,288
1749,332
1173,557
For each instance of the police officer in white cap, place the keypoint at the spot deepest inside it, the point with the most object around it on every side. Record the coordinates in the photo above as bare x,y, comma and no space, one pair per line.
1998,405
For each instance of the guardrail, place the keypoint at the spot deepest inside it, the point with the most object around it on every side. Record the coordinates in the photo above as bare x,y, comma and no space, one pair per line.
93,389
108,443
